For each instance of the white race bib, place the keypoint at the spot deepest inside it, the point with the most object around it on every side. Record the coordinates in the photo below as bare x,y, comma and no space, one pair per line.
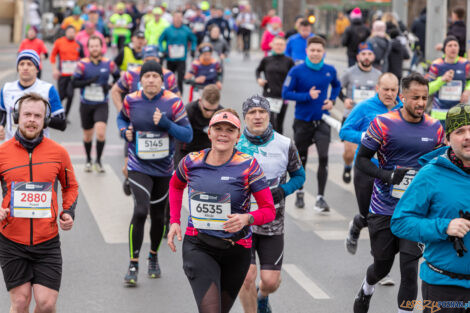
362,93
199,27
451,91
275,105
68,67
132,66
152,145
176,51
209,211
122,22
31,200
249,26
399,190
94,93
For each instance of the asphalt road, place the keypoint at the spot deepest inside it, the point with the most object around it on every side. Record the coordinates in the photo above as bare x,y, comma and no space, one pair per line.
318,274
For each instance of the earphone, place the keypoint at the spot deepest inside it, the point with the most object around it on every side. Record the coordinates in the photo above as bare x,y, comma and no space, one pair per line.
16,113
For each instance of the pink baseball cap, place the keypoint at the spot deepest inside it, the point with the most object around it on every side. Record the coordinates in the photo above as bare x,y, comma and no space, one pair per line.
225,117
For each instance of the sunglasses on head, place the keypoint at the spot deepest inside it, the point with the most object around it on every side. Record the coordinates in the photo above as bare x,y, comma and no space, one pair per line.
458,109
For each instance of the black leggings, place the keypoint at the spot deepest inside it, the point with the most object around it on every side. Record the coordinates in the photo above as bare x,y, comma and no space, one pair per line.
246,36
307,133
179,68
363,185
215,275
150,194
409,276
66,92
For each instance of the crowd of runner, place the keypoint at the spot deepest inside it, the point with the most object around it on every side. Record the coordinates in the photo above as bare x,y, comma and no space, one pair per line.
410,169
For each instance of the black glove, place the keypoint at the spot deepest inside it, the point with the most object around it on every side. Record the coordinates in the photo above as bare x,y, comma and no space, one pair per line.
394,177
193,53
106,87
459,245
278,194
84,82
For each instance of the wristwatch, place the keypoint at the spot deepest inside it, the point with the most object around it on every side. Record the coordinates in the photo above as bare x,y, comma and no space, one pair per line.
251,220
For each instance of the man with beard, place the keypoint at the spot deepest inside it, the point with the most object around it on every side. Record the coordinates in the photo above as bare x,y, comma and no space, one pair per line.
359,81
399,138
434,215
92,76
30,253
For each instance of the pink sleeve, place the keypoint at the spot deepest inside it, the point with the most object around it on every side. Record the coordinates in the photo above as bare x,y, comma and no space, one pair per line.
266,211
176,198
265,41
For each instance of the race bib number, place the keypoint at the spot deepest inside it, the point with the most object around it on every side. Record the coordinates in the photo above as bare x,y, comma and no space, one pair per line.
249,26
31,200
68,67
152,146
199,27
399,190
275,105
273,183
451,91
362,93
132,66
121,22
209,211
94,93
176,51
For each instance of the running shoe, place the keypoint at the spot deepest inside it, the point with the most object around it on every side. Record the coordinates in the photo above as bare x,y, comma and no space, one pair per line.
126,186
299,200
387,281
131,277
352,238
154,269
88,167
99,168
347,174
264,306
361,302
321,206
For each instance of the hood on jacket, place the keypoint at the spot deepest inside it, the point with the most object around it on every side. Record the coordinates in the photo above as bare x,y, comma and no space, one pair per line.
439,157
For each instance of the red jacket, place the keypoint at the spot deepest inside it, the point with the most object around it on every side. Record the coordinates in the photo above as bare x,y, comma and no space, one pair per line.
48,162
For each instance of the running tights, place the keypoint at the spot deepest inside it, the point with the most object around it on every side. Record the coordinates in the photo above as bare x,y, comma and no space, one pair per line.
215,275
150,195
322,173
408,290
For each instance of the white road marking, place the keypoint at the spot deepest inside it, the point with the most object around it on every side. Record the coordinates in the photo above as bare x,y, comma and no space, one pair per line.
308,213
335,175
110,207
334,234
306,283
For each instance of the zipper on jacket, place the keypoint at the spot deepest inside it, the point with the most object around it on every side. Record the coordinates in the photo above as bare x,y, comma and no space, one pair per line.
31,179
